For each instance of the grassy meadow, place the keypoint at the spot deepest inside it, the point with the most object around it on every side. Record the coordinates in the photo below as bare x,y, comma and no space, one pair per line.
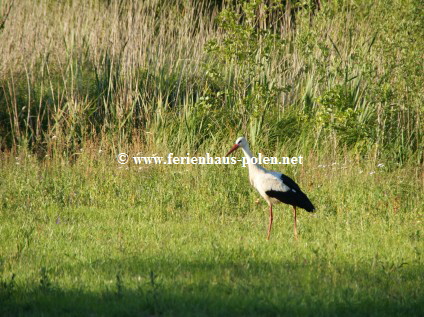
337,82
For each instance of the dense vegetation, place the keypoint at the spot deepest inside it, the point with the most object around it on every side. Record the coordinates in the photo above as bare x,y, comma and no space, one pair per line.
339,82
339,75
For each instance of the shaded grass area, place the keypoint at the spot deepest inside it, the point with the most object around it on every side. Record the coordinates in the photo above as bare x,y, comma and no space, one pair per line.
233,287
190,241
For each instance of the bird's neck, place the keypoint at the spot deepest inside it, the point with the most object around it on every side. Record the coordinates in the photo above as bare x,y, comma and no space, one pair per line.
253,168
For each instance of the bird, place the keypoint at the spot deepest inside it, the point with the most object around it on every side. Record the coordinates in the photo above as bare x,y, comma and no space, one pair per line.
274,187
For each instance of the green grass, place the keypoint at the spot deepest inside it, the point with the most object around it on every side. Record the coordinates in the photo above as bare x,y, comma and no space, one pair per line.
338,82
95,239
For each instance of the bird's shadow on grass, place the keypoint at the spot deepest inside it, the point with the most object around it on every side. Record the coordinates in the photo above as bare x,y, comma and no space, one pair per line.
217,287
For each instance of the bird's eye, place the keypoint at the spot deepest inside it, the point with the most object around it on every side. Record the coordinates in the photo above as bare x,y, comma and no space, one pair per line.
239,142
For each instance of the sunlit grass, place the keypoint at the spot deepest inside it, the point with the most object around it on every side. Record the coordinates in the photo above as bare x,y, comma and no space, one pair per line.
98,239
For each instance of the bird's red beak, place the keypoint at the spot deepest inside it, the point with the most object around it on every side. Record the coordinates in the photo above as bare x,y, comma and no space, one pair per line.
235,147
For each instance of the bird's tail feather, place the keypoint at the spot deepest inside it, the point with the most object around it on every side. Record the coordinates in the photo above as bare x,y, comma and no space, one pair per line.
306,204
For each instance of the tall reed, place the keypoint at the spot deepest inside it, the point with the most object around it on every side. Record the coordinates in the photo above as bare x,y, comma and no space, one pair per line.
186,75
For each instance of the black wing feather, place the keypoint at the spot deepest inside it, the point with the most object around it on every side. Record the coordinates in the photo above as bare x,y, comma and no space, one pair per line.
289,182
294,196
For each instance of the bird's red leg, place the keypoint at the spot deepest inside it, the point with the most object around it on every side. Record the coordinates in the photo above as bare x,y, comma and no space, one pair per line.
295,229
270,222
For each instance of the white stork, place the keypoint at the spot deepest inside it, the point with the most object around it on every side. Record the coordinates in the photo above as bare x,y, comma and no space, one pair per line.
274,187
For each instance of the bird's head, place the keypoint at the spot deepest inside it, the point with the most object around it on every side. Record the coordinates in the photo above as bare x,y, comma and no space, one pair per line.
240,142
